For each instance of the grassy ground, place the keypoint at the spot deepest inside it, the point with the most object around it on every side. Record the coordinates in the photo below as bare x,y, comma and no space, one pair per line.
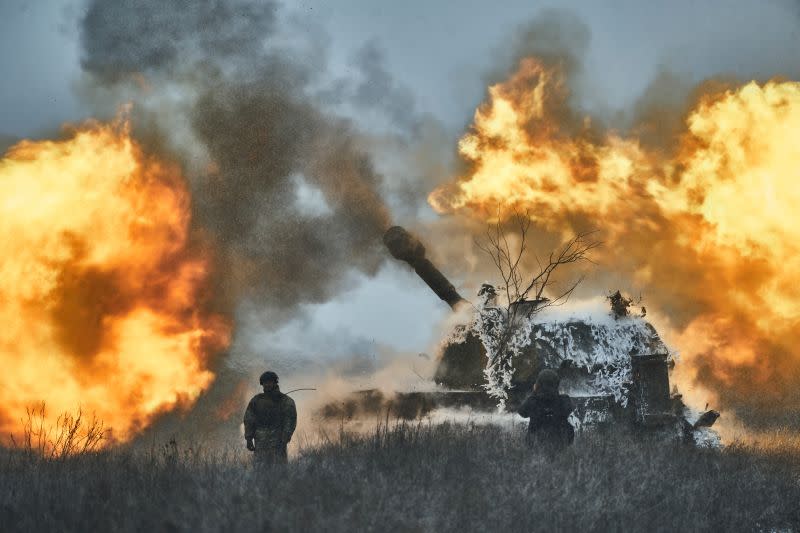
411,478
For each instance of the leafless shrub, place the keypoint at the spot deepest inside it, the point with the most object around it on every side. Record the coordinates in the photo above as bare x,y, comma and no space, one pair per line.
504,329
71,434
520,286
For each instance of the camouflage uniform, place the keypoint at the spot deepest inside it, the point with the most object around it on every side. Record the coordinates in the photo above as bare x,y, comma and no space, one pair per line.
549,412
549,425
270,420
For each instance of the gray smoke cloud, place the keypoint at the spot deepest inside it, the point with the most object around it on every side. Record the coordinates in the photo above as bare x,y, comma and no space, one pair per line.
377,89
129,37
283,187
245,98
557,36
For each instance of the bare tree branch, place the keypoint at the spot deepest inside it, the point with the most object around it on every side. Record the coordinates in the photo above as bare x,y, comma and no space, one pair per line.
519,286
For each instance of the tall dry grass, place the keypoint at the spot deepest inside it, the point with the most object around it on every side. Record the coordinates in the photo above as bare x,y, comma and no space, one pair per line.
409,477
70,434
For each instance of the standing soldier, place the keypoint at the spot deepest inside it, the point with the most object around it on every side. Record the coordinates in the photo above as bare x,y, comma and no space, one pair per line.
549,412
269,422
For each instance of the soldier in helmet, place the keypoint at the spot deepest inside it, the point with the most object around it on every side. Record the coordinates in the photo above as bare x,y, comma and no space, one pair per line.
548,412
269,421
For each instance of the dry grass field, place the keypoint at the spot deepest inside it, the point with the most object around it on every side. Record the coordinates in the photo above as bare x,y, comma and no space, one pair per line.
410,477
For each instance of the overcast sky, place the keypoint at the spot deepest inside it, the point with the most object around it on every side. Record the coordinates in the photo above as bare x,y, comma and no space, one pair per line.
441,51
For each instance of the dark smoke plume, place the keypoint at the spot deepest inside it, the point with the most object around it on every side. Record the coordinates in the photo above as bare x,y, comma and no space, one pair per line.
279,185
246,102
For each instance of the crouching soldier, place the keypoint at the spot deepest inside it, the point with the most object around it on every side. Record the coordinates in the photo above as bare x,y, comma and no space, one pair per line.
269,422
548,411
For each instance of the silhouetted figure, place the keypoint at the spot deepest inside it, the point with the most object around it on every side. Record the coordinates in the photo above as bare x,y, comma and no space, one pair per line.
269,422
548,411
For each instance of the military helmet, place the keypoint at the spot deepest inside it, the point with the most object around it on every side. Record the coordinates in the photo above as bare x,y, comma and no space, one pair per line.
548,380
268,376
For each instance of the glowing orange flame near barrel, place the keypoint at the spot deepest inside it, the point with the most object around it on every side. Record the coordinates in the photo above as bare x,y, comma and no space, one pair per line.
103,294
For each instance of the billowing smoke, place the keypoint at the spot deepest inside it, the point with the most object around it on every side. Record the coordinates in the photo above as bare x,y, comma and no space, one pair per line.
246,102
239,93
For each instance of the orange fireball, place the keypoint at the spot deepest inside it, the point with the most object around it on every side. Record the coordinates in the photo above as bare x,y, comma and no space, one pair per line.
705,227
103,295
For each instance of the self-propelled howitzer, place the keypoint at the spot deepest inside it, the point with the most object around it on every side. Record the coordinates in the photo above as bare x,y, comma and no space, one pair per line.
615,368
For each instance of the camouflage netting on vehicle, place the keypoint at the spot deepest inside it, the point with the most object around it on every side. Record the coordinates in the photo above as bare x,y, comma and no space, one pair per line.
611,361
601,347
591,348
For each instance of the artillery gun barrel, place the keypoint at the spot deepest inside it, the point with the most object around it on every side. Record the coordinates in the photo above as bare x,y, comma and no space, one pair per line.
405,247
